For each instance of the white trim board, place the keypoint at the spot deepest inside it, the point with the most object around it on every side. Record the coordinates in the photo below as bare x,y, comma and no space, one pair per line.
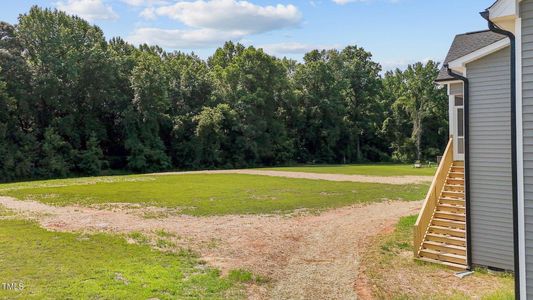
520,162
447,83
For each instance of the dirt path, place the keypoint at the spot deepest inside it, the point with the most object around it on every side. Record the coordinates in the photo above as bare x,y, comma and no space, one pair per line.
306,256
316,176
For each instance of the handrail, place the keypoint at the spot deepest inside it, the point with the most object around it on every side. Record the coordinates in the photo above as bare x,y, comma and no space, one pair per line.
432,198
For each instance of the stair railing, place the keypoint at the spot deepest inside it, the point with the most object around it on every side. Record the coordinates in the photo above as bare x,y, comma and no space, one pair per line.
432,198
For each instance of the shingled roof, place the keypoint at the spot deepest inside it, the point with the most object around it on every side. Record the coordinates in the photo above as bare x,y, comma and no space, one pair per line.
466,43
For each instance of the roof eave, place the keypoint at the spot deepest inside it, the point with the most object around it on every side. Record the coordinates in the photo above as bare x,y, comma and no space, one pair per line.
503,13
444,81
459,64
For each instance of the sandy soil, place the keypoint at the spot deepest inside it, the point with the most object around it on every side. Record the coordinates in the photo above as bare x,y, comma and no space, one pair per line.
305,256
395,275
317,176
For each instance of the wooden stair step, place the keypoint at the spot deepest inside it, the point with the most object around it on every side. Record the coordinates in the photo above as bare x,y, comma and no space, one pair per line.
449,223
451,208
444,248
460,233
453,194
455,181
455,170
455,267
448,198
457,185
456,175
459,188
447,257
449,216
452,201
444,241
451,240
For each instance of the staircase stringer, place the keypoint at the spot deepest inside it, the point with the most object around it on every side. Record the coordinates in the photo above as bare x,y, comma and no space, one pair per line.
431,201
424,239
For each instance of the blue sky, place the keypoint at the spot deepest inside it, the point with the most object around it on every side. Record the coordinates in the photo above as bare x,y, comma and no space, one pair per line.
397,32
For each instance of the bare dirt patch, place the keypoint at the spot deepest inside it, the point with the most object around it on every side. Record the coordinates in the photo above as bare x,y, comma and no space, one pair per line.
400,180
388,271
305,256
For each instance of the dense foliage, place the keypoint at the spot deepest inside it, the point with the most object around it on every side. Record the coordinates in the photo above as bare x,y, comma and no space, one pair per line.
73,103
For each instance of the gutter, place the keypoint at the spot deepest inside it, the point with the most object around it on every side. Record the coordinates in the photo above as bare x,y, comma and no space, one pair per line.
514,162
466,107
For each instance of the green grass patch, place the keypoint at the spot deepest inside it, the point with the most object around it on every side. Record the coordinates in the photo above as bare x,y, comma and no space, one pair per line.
362,169
138,237
244,276
164,234
500,295
401,238
52,265
164,244
212,194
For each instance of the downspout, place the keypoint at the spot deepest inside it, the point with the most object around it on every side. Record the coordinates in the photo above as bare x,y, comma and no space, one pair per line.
514,164
466,107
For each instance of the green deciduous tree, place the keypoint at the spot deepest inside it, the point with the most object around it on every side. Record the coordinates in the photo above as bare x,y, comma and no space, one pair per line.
417,102
17,110
146,113
254,84
364,113
321,107
214,131
190,89
73,103
56,155
90,160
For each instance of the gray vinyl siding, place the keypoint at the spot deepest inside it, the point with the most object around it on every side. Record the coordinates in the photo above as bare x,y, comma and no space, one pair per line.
456,89
526,12
490,161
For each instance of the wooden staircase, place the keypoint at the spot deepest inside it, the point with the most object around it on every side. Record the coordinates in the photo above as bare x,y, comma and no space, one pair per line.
440,230
445,239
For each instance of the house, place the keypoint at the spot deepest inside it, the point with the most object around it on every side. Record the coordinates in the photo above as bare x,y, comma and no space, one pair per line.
479,209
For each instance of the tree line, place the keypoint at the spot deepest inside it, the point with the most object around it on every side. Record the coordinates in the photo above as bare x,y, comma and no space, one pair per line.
72,103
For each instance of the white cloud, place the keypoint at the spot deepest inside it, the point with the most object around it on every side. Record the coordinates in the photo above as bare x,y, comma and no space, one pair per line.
88,9
342,2
148,13
391,65
134,2
209,23
144,2
183,39
293,48
229,15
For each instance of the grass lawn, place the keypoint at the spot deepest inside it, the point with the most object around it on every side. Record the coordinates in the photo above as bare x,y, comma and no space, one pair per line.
52,265
213,194
392,273
362,169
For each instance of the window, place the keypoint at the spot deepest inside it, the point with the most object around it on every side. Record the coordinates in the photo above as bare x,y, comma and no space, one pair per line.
460,122
459,100
461,145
